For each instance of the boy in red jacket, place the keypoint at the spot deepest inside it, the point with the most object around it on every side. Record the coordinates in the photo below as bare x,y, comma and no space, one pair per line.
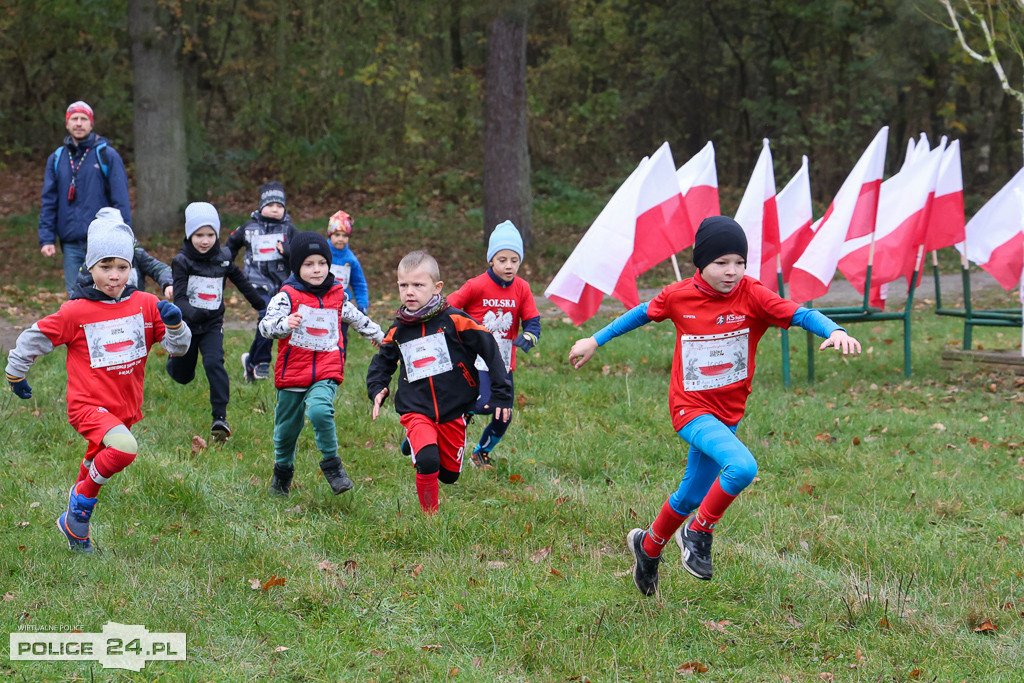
501,301
720,315
305,317
108,328
436,346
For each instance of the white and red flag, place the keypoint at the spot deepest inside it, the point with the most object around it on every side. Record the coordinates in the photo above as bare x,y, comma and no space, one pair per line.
851,215
759,219
643,224
946,222
904,206
698,181
994,238
795,211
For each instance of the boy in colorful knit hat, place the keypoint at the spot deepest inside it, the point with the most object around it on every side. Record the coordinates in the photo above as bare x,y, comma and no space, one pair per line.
501,301
720,315
345,266
265,237
436,345
305,317
108,331
200,269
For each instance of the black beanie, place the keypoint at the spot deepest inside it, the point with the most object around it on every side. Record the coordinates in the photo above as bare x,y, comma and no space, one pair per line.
718,236
271,192
304,244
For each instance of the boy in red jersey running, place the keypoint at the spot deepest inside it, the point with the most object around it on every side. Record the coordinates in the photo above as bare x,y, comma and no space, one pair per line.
720,315
436,345
108,328
501,301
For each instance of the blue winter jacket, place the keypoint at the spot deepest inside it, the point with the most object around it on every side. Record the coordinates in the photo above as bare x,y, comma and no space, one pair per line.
357,289
67,221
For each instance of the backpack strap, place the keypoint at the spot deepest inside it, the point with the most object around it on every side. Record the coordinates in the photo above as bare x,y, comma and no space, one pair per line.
56,158
101,156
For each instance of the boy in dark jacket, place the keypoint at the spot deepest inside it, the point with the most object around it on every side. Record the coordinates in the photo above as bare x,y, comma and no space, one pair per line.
438,384
199,272
143,264
306,317
266,237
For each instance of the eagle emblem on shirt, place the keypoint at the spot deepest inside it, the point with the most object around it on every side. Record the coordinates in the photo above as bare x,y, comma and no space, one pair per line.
498,322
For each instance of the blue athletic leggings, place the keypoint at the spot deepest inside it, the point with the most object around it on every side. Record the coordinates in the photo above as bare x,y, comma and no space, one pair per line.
714,450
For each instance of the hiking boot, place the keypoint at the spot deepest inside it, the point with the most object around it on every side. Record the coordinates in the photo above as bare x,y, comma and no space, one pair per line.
281,484
220,430
261,371
406,447
645,568
247,375
74,522
481,459
334,473
696,547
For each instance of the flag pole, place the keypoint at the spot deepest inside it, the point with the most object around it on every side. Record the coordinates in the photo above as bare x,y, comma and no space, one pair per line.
675,266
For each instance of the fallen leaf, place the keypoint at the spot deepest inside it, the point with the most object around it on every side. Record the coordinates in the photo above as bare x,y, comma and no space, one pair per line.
297,509
328,566
691,668
454,671
378,653
255,584
986,627
274,580
198,444
560,500
8,596
541,554
431,648
554,572
351,566
368,444
515,478
606,369
417,569
478,661
826,676
939,427
824,436
856,441
916,673
281,648
807,488
34,504
521,401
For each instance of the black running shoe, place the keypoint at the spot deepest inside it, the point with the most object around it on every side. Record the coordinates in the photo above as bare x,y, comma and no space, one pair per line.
645,568
481,459
220,431
696,547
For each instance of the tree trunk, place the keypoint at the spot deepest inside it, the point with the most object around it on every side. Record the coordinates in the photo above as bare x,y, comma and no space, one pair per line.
161,162
507,193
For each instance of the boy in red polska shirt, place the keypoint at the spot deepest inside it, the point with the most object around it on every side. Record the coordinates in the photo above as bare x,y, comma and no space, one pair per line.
501,301
720,315
108,328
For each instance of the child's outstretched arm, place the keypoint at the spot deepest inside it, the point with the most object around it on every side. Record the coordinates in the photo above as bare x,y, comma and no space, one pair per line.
177,334
823,326
279,320
584,349
378,374
32,343
361,322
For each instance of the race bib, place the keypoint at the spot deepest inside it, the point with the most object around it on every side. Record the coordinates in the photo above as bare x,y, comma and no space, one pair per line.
318,330
426,357
714,360
342,272
264,247
205,292
505,346
113,342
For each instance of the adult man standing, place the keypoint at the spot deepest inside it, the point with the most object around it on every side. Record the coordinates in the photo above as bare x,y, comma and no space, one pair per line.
83,175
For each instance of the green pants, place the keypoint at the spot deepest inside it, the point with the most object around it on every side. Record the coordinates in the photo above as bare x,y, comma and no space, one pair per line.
316,402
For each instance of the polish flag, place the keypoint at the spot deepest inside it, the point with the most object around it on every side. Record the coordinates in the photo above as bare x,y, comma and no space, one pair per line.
994,238
795,218
904,205
851,215
946,223
698,181
759,219
643,224
911,144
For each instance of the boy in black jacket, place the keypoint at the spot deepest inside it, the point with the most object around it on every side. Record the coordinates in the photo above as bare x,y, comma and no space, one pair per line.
436,345
199,271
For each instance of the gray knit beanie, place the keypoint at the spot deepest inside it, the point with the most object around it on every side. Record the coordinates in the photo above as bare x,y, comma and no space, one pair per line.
200,214
109,236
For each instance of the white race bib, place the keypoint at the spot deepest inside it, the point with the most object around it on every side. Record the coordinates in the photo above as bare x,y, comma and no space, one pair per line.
426,357
505,346
264,247
318,330
342,273
205,292
113,342
714,360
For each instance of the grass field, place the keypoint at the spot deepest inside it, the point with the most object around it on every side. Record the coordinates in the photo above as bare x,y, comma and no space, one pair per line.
881,541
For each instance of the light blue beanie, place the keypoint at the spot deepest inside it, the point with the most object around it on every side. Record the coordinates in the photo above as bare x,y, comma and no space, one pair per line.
109,237
199,214
504,236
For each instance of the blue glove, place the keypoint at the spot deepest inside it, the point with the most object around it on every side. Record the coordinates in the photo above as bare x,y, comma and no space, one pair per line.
525,341
20,387
169,313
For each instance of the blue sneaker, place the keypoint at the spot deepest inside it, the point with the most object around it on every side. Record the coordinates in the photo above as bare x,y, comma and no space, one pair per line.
74,522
